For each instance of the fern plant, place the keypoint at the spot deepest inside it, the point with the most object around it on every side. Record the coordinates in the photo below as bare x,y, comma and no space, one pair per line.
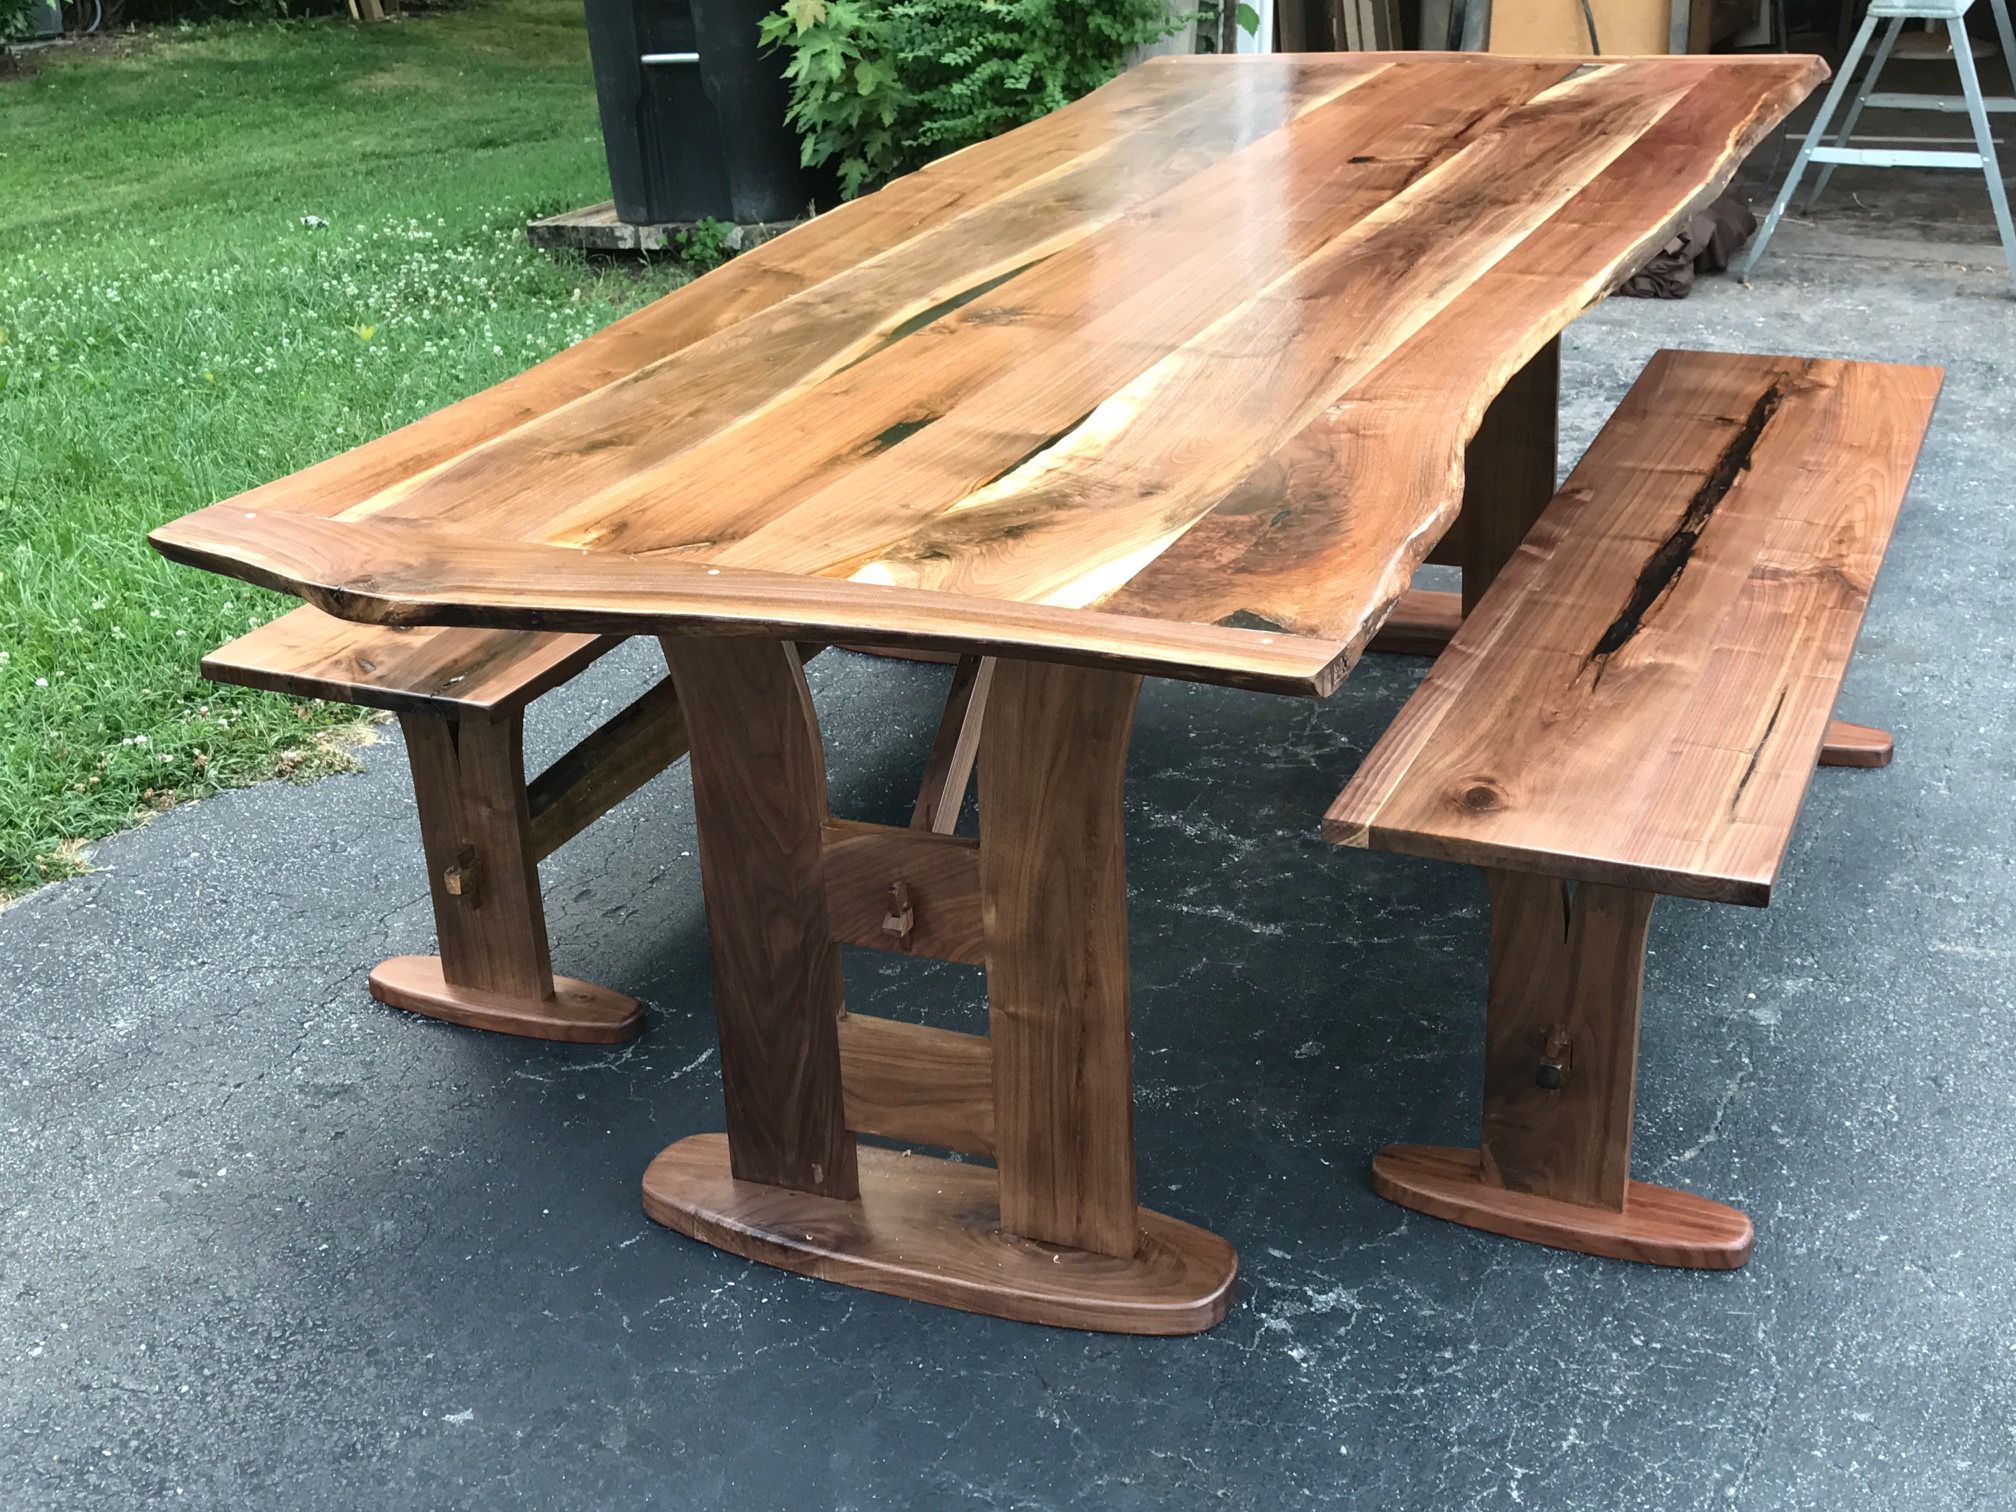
882,86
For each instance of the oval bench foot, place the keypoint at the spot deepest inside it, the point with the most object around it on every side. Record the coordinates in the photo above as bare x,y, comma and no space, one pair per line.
578,1013
1854,745
1657,1226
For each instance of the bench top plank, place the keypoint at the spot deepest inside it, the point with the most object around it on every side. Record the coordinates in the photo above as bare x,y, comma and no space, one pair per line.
418,670
1640,698
1035,399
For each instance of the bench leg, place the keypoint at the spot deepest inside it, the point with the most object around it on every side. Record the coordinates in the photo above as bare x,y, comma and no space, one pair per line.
475,826
1853,745
1425,621
1560,1064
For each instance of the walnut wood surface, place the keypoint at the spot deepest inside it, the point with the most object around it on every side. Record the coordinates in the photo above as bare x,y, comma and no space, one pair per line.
1426,620
1854,745
939,873
1671,641
1655,1225
1051,1234
950,769
932,1230
1422,622
469,785
614,760
1053,891
1567,975
1553,1163
315,655
918,1084
1178,380
1509,471
759,800
573,1012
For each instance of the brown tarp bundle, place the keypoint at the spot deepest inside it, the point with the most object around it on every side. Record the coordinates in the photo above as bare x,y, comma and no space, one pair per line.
1705,245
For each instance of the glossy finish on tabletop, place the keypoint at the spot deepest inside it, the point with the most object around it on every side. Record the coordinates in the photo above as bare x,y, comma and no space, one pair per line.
1176,380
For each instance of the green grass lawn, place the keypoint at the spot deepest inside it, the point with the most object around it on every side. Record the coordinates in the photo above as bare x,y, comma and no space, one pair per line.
226,253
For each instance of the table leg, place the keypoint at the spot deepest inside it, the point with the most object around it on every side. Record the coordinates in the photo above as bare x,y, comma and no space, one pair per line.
1050,1233
476,831
1508,472
1053,887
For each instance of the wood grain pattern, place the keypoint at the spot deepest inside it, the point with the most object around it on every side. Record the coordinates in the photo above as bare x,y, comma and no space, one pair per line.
1567,976
609,764
1423,621
469,784
1553,1164
759,799
416,583
949,771
940,875
1855,745
450,672
1655,1226
1426,620
1304,543
1053,888
572,1013
1508,471
1673,638
1016,404
932,1230
917,1084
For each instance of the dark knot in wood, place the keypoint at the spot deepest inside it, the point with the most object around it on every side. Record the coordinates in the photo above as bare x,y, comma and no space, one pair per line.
1480,795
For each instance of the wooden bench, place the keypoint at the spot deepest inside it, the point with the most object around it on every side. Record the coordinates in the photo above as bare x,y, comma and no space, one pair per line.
460,696
1633,709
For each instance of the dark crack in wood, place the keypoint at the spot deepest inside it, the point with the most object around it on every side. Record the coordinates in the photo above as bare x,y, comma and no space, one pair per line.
897,434
1663,569
1757,751
1053,439
940,310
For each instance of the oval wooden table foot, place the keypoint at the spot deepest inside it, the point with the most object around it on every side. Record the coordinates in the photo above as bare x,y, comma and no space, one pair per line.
929,1229
1657,1226
578,1013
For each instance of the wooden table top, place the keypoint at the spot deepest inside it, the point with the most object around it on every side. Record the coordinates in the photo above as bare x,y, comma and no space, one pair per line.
1177,379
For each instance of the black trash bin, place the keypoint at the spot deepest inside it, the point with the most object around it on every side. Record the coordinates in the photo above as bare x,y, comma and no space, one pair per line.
693,112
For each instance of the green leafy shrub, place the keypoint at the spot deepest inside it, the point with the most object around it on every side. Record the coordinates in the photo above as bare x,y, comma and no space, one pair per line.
704,245
879,87
13,19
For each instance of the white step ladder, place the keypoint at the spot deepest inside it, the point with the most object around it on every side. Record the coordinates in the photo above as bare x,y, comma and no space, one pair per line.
1969,101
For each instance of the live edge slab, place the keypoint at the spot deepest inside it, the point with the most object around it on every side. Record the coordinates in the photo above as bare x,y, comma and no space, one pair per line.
1184,380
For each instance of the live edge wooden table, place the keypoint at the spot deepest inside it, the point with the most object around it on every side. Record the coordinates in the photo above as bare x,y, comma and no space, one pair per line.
1177,382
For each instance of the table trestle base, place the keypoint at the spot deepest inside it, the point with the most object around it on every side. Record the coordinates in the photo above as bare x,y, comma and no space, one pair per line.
930,1229
1052,1233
